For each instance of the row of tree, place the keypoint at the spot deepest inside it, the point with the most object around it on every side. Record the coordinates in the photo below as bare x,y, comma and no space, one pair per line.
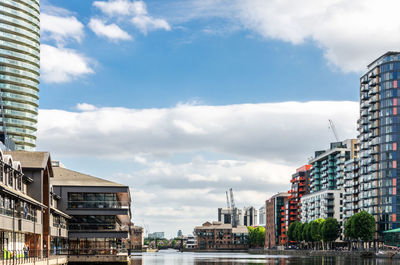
322,232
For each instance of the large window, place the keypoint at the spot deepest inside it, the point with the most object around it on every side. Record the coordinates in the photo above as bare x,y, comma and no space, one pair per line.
93,200
94,222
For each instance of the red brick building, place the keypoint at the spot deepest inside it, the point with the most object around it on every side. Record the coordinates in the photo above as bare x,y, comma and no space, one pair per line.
300,185
274,221
216,235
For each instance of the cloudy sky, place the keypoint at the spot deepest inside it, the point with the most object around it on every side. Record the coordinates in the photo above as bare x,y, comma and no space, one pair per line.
183,99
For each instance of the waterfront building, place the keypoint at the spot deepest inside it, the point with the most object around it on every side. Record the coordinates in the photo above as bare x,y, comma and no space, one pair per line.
300,185
327,172
274,225
262,216
99,228
351,188
19,71
379,133
191,242
137,240
37,167
219,236
322,204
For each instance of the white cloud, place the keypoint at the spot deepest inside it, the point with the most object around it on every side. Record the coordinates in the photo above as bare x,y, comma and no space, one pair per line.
146,24
136,10
111,31
179,161
121,7
61,28
277,131
85,107
350,33
62,65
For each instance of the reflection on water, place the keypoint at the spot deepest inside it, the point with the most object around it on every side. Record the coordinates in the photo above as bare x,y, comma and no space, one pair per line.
169,257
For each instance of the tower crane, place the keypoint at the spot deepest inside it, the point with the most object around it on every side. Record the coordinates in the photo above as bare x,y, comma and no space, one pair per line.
333,128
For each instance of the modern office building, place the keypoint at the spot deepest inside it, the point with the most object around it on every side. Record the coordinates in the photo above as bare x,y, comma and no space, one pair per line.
191,242
379,135
249,216
225,215
100,224
327,172
19,71
219,236
262,216
274,227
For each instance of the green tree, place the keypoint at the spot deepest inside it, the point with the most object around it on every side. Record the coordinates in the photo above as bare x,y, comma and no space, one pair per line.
291,231
307,232
316,229
256,236
363,226
298,232
330,230
348,231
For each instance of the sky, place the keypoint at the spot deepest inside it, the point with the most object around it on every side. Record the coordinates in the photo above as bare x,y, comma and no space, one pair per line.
184,99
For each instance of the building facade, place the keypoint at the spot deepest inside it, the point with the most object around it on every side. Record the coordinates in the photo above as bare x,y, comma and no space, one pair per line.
379,133
327,172
100,223
351,194
322,204
262,215
249,216
274,225
300,185
137,240
19,71
219,236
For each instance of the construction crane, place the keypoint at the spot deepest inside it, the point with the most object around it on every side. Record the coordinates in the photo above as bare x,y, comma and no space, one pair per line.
333,128
235,217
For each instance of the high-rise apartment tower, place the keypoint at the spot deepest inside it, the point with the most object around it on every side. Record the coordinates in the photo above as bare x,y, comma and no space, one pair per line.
379,137
19,70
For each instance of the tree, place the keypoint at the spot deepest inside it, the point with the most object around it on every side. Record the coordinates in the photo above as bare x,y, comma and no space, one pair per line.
256,236
316,229
307,232
260,236
291,231
298,232
330,230
363,226
348,230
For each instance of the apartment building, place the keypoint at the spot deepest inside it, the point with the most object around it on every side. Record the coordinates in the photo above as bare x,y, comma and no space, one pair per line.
379,140
322,204
262,216
137,240
275,222
300,185
351,188
219,236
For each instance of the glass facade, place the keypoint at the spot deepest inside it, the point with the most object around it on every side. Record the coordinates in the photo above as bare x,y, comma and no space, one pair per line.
19,70
93,200
379,134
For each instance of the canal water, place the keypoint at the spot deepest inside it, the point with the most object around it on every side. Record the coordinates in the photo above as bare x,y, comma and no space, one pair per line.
171,257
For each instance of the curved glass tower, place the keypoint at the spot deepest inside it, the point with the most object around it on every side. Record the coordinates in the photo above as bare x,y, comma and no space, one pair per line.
19,70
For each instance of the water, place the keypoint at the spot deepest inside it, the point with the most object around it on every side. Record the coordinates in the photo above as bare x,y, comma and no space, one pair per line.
171,257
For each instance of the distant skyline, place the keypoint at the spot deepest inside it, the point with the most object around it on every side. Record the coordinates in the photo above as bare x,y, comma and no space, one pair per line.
185,99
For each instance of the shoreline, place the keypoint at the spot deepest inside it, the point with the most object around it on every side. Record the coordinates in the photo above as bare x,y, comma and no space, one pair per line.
326,253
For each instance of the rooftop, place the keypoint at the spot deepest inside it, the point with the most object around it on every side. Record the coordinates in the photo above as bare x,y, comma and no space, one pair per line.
67,177
30,159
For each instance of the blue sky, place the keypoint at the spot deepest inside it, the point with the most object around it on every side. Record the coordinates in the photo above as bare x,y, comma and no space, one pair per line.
183,99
